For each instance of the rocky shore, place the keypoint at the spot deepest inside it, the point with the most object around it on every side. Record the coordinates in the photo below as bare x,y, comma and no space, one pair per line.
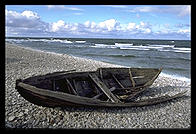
19,113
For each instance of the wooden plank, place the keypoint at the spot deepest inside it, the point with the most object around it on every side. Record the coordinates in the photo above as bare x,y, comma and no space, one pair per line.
103,87
100,71
71,87
138,77
63,98
98,95
117,81
131,77
74,84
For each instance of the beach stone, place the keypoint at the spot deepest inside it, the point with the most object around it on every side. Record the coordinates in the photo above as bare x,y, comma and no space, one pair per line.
20,114
11,118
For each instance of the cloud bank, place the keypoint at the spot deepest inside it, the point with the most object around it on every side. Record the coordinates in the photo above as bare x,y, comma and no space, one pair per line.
29,23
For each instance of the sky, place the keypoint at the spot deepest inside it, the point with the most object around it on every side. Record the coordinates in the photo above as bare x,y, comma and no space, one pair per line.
172,22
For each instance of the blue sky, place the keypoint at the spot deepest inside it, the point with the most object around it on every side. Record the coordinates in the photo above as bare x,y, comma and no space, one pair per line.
99,21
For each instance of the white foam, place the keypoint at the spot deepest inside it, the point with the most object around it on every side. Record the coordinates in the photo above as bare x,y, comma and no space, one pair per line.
103,46
175,76
177,49
172,41
182,48
135,48
141,47
61,41
162,46
43,40
181,51
80,41
122,45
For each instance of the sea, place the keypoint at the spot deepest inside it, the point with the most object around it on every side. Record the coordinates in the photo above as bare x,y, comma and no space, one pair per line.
174,56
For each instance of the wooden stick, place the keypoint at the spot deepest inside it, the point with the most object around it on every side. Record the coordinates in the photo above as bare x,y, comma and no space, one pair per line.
117,81
98,95
104,88
100,71
71,87
131,77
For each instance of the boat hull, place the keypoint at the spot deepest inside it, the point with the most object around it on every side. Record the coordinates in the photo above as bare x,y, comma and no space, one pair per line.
50,90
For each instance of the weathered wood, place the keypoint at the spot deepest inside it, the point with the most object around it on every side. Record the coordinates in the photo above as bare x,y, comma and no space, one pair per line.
64,99
74,84
153,79
117,81
100,71
103,87
42,89
133,94
131,77
98,95
138,77
71,87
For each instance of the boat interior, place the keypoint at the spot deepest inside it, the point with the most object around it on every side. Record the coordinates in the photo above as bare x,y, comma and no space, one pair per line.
106,84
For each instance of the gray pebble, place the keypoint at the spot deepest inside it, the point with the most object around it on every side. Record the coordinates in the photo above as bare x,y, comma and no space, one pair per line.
11,118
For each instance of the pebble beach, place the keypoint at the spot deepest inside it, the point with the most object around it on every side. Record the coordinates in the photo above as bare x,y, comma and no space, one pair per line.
21,63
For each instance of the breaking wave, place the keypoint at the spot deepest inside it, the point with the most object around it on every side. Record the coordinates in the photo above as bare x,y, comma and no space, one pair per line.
165,48
103,46
39,40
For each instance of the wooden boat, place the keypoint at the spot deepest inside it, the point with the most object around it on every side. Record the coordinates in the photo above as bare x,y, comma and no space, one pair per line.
108,87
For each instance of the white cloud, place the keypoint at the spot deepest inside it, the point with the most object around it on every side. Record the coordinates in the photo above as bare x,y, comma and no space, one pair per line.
25,23
74,8
116,6
55,6
24,15
179,10
29,23
63,7
26,19
131,26
109,25
183,31
89,24
142,27
56,26
30,14
143,9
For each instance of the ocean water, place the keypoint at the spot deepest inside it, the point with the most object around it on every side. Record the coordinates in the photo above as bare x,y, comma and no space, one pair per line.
174,56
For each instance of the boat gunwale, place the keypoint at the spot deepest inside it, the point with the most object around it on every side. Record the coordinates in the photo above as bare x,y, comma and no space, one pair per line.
78,99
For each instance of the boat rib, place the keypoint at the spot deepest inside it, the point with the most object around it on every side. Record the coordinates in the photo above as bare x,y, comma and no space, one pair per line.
104,88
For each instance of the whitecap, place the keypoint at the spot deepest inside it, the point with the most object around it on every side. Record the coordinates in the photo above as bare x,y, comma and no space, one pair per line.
80,41
103,46
121,45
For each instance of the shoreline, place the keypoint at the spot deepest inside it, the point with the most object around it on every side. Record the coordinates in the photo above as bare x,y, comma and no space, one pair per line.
19,113
178,77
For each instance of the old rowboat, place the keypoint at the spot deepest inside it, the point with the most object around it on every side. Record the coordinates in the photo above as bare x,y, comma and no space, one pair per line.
109,87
